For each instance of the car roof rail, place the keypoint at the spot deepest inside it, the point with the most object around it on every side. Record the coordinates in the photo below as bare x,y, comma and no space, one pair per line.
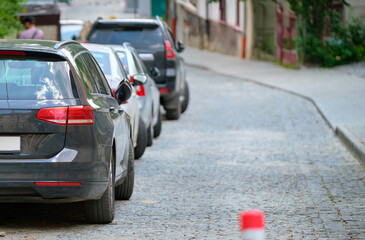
127,44
158,18
64,43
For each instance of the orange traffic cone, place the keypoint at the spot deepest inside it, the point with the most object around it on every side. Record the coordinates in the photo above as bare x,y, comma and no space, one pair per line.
252,224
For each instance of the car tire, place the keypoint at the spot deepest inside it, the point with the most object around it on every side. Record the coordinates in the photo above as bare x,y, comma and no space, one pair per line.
174,114
141,140
185,103
102,211
150,135
158,127
124,191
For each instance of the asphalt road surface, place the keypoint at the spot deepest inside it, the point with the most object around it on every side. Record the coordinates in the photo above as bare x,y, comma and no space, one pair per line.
239,146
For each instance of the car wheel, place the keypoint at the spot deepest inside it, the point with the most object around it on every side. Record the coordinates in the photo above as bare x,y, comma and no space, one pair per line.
124,191
185,103
150,135
157,128
141,140
174,114
102,211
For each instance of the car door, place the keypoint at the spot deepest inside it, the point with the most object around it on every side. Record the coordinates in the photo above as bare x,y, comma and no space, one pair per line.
108,105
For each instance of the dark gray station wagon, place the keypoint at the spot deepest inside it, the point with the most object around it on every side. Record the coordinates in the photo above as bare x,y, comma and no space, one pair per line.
63,135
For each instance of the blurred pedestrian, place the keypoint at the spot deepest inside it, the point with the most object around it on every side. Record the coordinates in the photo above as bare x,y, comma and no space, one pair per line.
31,31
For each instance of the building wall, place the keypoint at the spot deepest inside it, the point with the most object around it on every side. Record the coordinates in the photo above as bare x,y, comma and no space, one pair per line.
231,12
144,8
193,28
213,11
356,10
264,29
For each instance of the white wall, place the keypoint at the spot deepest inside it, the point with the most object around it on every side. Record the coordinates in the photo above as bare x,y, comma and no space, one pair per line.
231,10
202,6
214,11
242,16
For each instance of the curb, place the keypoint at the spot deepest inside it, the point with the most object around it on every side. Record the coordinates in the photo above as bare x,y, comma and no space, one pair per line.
352,143
197,66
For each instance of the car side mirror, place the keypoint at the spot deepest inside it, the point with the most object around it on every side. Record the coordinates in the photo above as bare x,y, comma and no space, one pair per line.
124,91
155,72
139,79
180,46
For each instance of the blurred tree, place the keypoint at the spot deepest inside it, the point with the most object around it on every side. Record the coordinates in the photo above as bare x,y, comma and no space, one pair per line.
9,17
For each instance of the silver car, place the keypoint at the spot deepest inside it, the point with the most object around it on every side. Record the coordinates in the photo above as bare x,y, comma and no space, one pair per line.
115,73
149,95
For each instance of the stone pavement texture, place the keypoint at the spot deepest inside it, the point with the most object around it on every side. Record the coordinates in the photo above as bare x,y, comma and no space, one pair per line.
239,146
339,93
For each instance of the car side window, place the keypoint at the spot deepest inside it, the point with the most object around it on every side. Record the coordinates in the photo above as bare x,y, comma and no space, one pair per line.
139,60
95,74
124,60
88,80
136,63
103,78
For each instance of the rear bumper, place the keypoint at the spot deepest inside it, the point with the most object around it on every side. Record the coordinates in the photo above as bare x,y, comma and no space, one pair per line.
28,192
18,177
169,100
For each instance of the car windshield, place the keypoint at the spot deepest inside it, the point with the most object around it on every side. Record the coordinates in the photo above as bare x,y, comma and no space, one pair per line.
34,79
139,37
103,60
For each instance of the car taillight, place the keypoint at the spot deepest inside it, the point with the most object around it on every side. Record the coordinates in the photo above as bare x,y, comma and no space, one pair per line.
80,115
74,115
140,90
169,51
131,79
12,53
164,90
115,96
53,115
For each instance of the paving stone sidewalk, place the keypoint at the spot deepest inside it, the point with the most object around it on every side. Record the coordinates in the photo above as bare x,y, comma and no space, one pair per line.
338,93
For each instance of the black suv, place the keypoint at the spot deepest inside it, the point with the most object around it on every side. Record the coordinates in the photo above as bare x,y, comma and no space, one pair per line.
156,46
63,135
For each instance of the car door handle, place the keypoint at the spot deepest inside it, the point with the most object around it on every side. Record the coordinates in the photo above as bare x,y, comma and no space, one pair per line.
112,109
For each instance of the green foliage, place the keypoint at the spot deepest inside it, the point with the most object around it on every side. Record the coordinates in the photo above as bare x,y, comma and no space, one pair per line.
343,45
9,17
267,44
346,44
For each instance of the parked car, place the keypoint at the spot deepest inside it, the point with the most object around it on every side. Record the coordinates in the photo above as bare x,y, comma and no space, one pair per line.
156,46
114,73
63,135
70,29
149,95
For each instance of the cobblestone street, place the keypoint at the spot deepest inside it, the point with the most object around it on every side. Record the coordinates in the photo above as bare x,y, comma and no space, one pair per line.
238,146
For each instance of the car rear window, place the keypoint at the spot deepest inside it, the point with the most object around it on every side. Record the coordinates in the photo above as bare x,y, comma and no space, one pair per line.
34,79
143,38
